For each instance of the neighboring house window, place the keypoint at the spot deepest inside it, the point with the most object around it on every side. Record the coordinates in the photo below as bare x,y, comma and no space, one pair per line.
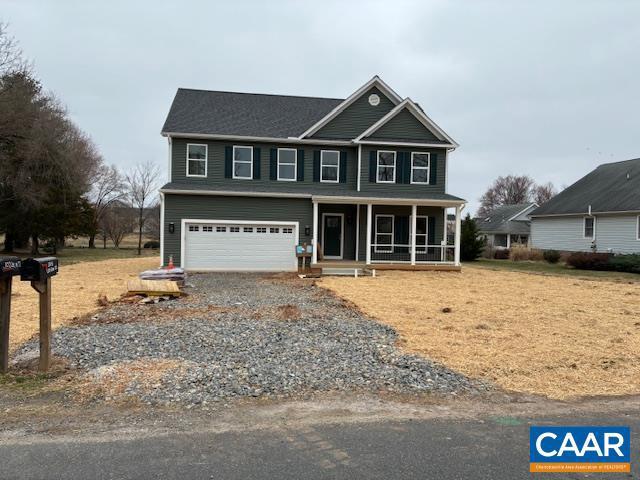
420,163
287,159
421,233
329,166
242,162
384,234
386,167
589,227
196,160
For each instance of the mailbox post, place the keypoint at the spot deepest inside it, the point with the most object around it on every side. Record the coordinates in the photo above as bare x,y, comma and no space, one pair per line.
39,271
9,266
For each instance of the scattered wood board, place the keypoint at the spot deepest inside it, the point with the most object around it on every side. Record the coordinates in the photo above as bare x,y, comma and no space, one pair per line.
153,287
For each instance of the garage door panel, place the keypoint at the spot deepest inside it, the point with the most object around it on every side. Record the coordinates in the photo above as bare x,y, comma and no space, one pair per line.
235,246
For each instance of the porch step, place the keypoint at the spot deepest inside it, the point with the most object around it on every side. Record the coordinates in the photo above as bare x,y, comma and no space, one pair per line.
346,271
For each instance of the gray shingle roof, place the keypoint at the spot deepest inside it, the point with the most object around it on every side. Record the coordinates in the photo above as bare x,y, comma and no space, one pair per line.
244,114
498,220
612,187
304,190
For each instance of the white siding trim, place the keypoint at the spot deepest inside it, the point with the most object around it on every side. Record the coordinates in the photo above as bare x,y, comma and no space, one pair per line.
206,159
161,229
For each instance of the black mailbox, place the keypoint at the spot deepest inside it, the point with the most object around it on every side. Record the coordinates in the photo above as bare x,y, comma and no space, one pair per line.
9,266
38,269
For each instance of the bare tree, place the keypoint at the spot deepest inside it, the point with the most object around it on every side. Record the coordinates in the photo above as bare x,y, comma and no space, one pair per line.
508,190
116,222
10,53
142,186
108,187
543,193
152,225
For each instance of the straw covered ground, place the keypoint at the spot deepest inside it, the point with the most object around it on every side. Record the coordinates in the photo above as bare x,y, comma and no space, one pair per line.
77,289
557,336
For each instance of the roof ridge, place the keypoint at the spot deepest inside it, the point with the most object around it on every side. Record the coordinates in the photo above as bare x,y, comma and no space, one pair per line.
619,161
261,94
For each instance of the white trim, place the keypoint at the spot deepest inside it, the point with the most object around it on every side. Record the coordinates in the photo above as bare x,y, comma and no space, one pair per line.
638,227
446,146
183,235
314,238
169,175
531,205
425,235
393,221
456,242
375,81
295,165
333,257
580,214
417,113
395,164
243,138
206,159
161,229
368,236
357,232
413,232
233,162
359,166
337,180
427,168
446,171
231,193
584,227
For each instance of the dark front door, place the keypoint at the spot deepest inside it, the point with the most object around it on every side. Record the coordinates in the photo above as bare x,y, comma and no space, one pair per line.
332,235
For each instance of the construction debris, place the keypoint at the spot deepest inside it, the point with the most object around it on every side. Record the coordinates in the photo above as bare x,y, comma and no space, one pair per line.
176,274
153,288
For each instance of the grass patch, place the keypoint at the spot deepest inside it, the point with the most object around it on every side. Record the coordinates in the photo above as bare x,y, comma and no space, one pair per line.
25,383
553,269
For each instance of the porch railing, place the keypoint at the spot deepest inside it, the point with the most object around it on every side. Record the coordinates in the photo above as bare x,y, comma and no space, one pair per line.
398,253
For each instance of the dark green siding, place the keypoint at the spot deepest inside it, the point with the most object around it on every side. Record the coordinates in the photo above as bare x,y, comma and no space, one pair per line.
216,163
356,118
402,210
208,207
404,126
409,189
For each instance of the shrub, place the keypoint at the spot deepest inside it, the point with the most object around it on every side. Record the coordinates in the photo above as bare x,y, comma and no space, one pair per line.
589,261
152,244
471,245
551,256
625,263
521,253
501,254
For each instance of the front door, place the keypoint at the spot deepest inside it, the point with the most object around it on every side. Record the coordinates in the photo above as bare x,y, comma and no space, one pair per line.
332,235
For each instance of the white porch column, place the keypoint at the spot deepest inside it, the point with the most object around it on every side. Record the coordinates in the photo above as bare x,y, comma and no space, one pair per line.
457,240
414,213
314,241
368,234
357,232
508,241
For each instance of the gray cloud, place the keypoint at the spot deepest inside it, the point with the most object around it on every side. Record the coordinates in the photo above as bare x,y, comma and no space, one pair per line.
545,88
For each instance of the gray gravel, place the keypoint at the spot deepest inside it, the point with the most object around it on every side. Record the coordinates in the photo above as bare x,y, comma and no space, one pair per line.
247,348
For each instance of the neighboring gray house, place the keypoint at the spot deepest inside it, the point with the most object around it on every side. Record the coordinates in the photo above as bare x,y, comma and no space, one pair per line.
363,179
507,225
600,212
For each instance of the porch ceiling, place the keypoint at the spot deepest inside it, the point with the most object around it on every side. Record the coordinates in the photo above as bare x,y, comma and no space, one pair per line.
433,202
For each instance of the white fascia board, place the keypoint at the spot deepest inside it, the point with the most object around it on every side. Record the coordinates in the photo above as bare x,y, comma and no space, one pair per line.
375,81
207,136
226,193
581,214
531,205
446,146
420,116
388,201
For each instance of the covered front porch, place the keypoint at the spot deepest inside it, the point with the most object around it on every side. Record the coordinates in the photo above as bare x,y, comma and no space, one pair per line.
385,233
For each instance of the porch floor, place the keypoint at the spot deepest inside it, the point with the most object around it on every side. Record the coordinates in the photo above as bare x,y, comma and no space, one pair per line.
387,266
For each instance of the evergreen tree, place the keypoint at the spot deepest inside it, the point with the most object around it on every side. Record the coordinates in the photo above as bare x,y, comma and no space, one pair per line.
471,244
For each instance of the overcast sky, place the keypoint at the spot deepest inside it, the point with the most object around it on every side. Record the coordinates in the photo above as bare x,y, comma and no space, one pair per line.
544,88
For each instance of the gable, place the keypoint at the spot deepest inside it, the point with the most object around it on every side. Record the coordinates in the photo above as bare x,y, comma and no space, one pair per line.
404,127
357,117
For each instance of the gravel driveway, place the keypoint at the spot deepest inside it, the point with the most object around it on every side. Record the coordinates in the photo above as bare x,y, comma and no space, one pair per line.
239,335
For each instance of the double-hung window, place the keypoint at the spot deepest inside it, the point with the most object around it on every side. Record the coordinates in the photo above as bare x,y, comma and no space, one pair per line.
329,166
242,162
420,163
287,168
384,234
196,160
589,227
386,167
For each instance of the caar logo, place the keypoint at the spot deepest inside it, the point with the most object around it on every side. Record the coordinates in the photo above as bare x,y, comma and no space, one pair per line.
579,449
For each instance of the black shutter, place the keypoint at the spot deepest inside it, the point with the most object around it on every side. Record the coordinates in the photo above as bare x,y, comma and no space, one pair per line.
256,163
431,233
316,165
343,167
372,166
228,162
433,169
273,167
300,168
399,167
407,168
401,232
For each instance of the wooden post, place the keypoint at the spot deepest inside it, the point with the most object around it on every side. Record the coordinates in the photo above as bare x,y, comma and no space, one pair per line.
5,313
43,287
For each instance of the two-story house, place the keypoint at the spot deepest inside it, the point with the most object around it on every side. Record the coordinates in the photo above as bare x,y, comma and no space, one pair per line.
362,179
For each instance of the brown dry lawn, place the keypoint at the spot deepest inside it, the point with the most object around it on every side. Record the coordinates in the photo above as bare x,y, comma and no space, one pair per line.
552,335
75,292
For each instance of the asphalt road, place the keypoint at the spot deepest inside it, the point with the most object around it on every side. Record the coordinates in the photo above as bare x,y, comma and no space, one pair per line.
494,448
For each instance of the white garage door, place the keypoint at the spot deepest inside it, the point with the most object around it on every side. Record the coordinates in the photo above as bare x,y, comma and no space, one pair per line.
240,246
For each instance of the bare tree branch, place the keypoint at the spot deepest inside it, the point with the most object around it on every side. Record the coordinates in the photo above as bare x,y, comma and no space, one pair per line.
142,187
